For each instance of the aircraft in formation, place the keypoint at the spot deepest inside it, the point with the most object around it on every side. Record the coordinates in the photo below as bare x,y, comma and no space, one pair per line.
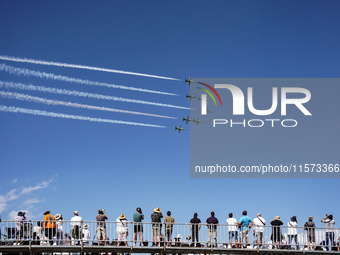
179,128
189,96
197,121
189,81
186,119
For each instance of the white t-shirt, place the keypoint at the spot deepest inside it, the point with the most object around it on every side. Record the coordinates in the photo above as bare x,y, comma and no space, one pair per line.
76,220
232,224
86,234
292,225
258,225
122,225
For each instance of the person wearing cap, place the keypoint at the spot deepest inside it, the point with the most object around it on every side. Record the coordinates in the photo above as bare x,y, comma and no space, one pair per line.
122,229
310,228
76,223
49,226
292,232
59,228
276,231
329,225
138,216
244,223
259,224
156,226
212,223
195,226
101,226
169,223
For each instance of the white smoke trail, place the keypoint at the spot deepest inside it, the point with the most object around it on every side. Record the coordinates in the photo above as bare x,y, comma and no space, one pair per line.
75,117
28,72
50,63
21,86
25,97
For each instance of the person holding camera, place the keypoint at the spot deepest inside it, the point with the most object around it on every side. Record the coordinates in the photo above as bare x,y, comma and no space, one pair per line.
138,216
329,225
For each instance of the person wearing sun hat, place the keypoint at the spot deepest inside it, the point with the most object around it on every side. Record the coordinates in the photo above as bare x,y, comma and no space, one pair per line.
59,228
156,217
122,229
86,234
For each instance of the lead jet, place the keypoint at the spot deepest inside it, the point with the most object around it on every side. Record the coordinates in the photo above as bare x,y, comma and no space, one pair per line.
179,128
189,96
189,81
186,119
197,121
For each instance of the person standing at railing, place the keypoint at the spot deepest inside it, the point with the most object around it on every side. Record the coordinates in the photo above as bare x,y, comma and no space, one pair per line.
329,225
122,229
101,226
232,230
138,216
276,231
169,223
49,226
259,224
60,230
212,223
292,232
310,228
19,225
195,226
76,224
244,223
156,217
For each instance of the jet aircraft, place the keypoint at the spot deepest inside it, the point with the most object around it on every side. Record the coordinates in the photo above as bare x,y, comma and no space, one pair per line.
189,96
179,128
186,119
197,121
189,81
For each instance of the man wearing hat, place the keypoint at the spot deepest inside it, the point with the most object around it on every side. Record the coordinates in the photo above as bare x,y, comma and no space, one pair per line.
49,226
76,223
156,217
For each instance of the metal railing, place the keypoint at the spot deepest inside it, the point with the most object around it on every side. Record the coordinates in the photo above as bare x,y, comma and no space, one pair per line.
84,233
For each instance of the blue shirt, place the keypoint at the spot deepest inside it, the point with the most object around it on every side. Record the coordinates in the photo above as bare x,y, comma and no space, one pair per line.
245,221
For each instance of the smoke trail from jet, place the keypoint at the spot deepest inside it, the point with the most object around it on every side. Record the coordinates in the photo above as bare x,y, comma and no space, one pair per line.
28,72
67,116
25,97
82,94
50,63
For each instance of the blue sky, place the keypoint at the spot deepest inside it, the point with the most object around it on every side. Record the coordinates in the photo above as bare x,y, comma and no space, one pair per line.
64,165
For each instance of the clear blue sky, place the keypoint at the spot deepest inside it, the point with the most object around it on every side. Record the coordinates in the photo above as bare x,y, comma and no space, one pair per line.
64,165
